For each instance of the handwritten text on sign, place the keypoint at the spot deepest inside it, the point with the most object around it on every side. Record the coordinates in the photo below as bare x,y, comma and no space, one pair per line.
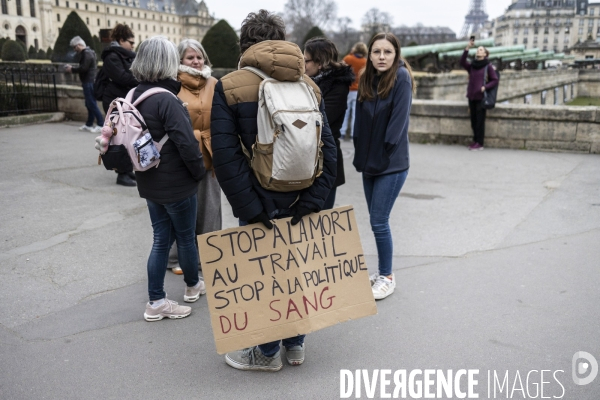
265,285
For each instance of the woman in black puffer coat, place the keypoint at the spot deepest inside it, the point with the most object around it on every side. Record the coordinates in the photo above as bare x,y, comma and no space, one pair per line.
117,61
334,79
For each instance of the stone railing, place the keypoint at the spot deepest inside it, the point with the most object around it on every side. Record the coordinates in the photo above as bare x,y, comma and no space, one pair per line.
543,86
529,127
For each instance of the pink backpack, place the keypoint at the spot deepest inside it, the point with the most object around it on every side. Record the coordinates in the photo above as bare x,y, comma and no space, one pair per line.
125,142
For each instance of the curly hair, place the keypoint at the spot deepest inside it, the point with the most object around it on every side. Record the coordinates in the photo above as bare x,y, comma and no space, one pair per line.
121,32
261,26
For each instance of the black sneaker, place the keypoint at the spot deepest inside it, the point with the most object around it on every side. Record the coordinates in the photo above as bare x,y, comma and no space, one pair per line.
123,179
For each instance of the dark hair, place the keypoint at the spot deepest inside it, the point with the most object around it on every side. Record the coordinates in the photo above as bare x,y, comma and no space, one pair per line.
121,32
388,78
261,26
324,52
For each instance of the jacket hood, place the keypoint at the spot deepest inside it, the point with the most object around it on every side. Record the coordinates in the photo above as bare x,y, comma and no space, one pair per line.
342,75
121,51
279,59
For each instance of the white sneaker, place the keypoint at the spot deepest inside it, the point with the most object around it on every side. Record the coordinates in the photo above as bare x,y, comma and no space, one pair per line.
373,277
383,287
193,293
96,129
86,128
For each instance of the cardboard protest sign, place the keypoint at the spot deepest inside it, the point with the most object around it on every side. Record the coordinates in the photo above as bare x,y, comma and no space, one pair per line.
263,285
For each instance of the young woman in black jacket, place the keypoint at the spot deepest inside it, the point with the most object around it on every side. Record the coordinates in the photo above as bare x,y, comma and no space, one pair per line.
334,80
385,94
171,189
117,59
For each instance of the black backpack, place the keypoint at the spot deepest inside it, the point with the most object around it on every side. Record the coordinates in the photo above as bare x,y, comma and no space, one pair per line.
100,84
489,96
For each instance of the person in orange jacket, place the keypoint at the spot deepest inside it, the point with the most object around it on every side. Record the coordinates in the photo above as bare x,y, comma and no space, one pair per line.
357,59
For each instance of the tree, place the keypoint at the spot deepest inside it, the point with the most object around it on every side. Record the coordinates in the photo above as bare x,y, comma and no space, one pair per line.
375,21
221,45
41,54
344,36
73,26
13,51
97,46
313,32
300,15
49,53
32,53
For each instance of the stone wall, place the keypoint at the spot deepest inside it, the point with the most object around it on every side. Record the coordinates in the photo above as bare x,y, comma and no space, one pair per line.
530,127
589,83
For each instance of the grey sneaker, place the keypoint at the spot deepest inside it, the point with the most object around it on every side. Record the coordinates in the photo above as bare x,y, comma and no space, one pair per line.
169,309
252,359
193,293
295,355
383,287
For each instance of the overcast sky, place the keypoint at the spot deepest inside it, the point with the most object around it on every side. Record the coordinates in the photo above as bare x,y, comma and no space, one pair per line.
450,13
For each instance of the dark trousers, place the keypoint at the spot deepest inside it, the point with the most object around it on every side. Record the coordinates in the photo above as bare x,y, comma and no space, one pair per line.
92,105
477,120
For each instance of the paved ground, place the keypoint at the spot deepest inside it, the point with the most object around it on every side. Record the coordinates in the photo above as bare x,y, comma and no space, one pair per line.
498,264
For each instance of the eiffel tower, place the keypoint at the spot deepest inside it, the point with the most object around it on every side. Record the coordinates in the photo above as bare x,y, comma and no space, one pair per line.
475,18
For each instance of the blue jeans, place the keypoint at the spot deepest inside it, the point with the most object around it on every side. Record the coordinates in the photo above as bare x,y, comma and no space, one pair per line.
271,348
92,105
350,112
172,221
381,193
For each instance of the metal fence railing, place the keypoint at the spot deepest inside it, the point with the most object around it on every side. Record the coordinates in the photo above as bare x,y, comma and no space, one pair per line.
27,91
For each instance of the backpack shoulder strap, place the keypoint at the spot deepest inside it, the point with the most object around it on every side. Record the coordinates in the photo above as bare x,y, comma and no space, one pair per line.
258,72
146,94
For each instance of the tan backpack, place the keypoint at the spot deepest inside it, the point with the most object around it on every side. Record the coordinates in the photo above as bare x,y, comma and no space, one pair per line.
287,154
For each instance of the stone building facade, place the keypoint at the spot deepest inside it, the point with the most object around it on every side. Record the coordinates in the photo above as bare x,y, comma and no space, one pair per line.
38,22
549,25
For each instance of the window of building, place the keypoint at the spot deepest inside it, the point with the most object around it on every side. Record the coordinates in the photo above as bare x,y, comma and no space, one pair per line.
57,3
131,13
557,30
524,40
590,22
581,31
146,27
581,22
516,32
32,8
168,30
535,30
153,28
545,40
67,4
116,11
123,12
19,8
5,6
515,41
525,31
591,11
97,8
77,6
58,17
139,28
535,40
545,48
86,7
98,22
567,31
108,22
546,30
138,14
556,40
